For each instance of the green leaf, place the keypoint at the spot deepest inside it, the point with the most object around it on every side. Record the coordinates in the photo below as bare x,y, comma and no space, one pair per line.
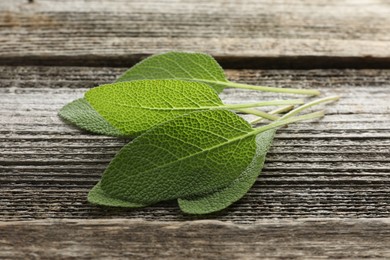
193,66
224,197
97,196
197,67
80,113
178,65
189,155
136,106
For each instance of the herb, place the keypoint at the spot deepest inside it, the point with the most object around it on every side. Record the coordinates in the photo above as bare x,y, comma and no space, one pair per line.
136,106
190,147
198,67
173,159
190,155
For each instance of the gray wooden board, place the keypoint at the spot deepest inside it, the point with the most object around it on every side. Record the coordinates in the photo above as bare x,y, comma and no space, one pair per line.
324,191
249,33
336,167
135,239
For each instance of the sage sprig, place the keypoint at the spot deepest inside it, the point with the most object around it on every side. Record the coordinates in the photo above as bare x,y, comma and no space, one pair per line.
189,146
184,66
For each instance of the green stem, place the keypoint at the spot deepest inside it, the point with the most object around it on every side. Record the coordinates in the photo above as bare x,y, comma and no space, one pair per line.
287,121
259,113
273,112
275,124
301,108
261,104
310,104
310,92
281,110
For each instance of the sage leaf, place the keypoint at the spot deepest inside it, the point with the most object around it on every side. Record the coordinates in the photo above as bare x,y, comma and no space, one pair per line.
179,65
187,66
224,197
136,106
194,66
188,155
80,113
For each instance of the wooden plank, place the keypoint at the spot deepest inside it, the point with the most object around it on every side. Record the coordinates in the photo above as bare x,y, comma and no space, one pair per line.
336,167
124,239
299,33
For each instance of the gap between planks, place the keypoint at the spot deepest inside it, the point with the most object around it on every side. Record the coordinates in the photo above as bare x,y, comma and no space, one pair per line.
255,34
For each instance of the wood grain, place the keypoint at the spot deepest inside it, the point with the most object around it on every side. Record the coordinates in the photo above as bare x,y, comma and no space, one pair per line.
325,188
251,33
124,239
336,167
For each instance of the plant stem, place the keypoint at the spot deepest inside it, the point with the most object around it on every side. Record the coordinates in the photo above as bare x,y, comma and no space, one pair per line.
287,121
310,92
273,112
310,104
259,113
281,110
300,108
261,104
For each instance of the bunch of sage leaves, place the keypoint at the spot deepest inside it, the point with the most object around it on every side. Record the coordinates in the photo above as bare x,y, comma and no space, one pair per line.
188,145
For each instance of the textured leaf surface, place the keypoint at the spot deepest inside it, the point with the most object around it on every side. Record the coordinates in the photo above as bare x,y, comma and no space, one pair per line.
98,196
178,65
136,106
80,113
171,65
189,155
224,197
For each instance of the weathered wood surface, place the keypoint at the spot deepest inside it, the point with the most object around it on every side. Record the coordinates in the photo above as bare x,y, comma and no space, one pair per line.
336,167
251,33
129,239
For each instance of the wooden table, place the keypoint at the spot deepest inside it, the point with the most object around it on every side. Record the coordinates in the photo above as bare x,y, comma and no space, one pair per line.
324,191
